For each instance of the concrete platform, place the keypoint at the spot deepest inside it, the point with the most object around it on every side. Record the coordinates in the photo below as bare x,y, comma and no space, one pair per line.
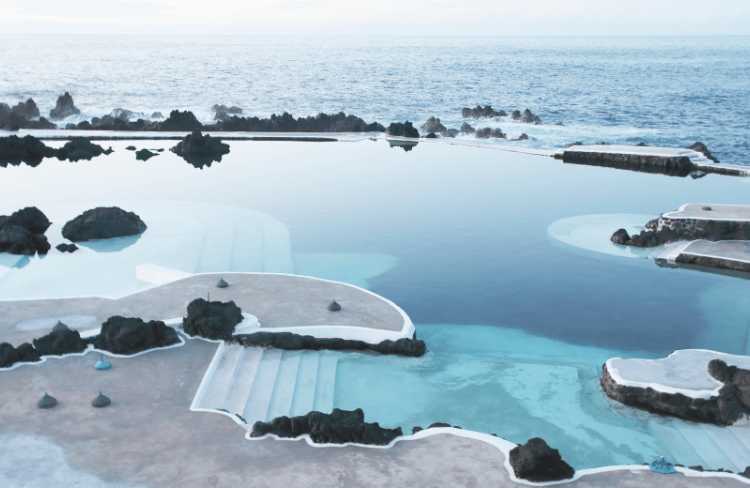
729,255
647,159
280,302
729,213
149,437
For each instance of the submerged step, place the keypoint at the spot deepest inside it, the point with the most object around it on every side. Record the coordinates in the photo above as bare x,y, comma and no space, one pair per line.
247,251
221,380
304,392
326,384
713,457
243,380
729,445
263,385
216,250
680,450
283,392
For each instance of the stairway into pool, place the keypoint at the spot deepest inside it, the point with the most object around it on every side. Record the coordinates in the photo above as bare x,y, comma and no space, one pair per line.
262,384
706,445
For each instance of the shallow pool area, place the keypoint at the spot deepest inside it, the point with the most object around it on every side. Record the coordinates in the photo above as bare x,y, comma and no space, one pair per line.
501,260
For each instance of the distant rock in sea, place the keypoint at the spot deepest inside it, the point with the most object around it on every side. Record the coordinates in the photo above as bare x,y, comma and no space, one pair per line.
180,122
467,129
526,118
27,110
222,112
64,108
487,133
402,130
481,112
701,148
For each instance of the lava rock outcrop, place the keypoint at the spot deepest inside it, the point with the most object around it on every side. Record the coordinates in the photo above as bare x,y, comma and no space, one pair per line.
122,335
338,427
103,223
536,461
211,320
293,342
200,150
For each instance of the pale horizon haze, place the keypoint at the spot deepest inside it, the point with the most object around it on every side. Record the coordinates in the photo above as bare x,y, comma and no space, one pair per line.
381,17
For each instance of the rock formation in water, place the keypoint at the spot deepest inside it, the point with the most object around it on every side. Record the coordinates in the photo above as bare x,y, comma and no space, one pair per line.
30,150
402,130
27,110
144,155
79,148
338,427
486,133
59,342
725,409
70,248
434,126
701,148
200,150
665,230
122,335
294,342
536,461
526,118
467,129
25,353
522,137
23,232
285,122
103,223
222,112
64,108
481,112
211,320
180,122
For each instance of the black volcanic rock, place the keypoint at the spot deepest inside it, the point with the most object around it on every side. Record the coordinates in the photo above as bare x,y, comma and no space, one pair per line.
536,461
180,122
28,149
211,320
294,342
403,130
222,112
433,125
620,236
25,353
30,218
64,108
103,223
71,248
486,133
59,342
79,148
200,150
15,239
522,137
122,335
28,110
338,427
144,155
481,112
286,122
701,148
526,118
5,111
467,129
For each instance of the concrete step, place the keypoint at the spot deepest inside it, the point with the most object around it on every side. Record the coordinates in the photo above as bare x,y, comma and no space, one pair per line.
283,393
326,385
732,448
304,391
216,250
259,399
247,250
679,450
244,378
221,380
713,457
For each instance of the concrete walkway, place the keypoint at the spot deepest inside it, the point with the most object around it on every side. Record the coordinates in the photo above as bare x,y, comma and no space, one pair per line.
278,301
148,436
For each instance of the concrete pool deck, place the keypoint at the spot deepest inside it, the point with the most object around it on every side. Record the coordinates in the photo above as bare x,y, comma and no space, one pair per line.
149,437
280,302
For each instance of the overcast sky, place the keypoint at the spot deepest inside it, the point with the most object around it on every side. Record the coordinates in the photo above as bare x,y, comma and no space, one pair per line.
373,17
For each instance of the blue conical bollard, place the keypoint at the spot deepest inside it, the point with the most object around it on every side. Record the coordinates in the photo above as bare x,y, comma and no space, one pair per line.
102,364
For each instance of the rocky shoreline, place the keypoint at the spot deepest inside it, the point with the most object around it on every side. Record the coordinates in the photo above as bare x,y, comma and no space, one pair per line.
293,342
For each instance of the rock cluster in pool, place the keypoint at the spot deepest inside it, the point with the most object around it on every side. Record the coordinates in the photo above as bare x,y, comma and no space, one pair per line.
665,230
103,223
732,402
338,427
15,150
200,150
23,232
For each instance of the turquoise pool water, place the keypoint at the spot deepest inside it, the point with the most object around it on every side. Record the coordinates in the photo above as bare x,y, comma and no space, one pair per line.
518,321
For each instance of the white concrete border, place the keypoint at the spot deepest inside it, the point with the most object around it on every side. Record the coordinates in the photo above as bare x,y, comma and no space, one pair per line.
673,216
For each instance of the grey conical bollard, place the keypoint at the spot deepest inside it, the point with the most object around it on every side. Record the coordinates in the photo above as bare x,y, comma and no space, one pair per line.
100,401
59,326
222,283
334,307
46,401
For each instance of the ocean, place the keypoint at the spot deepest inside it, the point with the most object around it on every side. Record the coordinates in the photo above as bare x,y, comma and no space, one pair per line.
670,91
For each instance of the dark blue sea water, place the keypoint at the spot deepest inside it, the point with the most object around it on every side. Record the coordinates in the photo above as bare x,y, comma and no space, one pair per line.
663,91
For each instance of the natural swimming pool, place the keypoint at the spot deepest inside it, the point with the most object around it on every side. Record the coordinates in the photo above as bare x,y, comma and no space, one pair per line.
518,322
